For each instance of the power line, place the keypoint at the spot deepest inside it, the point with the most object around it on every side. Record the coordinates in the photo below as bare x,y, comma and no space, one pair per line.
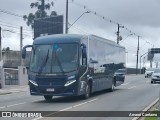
15,32
11,13
103,17
12,25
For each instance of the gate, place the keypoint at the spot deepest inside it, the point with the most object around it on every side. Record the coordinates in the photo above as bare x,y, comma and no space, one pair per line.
11,76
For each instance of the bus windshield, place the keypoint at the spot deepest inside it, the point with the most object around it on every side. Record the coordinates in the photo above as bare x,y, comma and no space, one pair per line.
56,58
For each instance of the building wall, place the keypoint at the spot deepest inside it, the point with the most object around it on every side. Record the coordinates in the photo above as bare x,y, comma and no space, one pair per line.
12,59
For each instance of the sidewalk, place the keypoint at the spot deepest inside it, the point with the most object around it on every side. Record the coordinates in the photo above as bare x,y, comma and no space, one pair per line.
9,89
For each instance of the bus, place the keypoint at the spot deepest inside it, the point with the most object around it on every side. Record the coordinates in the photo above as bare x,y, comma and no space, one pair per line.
73,65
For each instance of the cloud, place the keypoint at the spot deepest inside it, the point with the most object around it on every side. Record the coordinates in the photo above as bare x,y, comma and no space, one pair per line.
140,16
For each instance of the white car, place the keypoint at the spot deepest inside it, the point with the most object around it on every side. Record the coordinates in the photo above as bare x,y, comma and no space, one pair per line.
149,72
155,76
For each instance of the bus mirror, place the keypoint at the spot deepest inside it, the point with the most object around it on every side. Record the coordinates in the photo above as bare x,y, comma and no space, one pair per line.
24,51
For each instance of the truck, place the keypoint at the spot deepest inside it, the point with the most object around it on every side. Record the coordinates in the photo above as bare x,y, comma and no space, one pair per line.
73,65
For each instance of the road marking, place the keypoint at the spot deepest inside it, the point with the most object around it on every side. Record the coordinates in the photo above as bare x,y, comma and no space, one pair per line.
132,87
12,105
148,81
147,108
92,100
66,109
125,83
37,118
80,104
15,104
155,84
2,107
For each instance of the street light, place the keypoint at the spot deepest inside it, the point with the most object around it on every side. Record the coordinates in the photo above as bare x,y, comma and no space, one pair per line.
78,19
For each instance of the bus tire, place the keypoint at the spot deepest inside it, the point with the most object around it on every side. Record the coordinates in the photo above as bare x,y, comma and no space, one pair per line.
87,91
112,86
48,97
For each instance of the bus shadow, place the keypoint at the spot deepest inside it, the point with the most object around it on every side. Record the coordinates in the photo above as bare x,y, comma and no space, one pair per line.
73,99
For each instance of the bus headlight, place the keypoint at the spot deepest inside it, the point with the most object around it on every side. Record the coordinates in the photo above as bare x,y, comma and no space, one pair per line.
69,82
33,82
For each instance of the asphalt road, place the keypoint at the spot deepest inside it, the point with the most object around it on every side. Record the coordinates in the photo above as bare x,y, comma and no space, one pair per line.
134,95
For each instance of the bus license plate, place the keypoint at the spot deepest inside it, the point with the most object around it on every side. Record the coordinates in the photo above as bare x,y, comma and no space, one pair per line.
50,89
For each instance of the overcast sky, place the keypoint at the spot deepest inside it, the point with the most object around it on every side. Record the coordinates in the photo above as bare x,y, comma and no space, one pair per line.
142,17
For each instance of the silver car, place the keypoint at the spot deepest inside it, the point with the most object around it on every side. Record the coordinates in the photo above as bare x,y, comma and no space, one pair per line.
149,72
155,76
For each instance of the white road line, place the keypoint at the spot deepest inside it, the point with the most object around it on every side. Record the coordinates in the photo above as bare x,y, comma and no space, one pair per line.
92,100
125,83
155,84
37,118
80,104
67,108
15,104
2,107
132,87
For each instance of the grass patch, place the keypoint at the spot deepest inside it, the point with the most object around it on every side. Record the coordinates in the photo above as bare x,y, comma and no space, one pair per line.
152,118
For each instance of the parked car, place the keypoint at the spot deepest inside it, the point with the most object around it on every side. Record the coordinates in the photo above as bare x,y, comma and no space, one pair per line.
149,72
155,76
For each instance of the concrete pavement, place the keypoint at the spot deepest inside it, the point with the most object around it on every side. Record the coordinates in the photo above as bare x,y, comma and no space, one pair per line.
13,89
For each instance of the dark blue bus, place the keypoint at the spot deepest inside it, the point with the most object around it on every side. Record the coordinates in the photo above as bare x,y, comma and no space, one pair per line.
73,65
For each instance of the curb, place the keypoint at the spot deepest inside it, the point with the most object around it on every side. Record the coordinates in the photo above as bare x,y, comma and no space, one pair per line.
5,93
147,108
12,91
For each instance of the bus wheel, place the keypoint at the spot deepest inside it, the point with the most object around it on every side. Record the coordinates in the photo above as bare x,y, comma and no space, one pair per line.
112,86
87,91
48,97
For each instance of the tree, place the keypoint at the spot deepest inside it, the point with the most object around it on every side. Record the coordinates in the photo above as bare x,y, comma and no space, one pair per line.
41,11
6,49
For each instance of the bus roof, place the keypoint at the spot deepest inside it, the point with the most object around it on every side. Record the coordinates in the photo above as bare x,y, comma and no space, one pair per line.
58,38
69,38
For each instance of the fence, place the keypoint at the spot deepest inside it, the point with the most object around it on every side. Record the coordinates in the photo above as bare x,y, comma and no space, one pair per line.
11,76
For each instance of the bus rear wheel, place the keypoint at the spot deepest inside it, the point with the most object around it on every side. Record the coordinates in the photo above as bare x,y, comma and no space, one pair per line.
48,97
112,88
87,91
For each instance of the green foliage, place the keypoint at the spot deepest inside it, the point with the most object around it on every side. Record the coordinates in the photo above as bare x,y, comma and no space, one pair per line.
6,49
41,7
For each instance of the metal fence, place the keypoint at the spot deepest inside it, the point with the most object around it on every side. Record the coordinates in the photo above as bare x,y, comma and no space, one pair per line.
11,76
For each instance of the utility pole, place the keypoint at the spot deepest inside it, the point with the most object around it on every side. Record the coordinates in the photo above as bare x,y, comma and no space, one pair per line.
118,37
137,57
0,45
66,31
42,8
21,43
140,61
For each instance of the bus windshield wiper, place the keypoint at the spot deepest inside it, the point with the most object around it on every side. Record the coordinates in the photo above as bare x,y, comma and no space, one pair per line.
59,63
43,63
